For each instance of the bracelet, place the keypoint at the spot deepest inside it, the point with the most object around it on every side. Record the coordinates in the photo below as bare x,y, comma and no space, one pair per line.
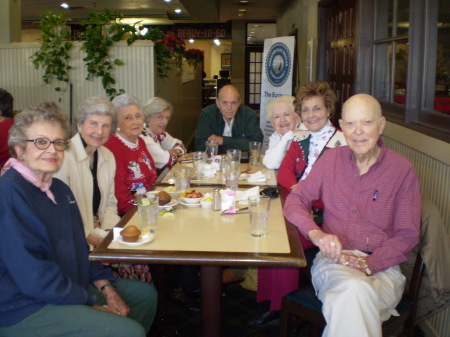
103,287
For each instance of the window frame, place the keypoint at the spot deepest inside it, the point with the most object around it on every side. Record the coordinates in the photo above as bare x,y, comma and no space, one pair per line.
421,67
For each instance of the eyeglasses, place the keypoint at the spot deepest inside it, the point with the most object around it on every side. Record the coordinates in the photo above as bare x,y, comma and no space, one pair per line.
44,143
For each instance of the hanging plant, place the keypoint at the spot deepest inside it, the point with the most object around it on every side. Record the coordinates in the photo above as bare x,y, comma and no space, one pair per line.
176,48
194,57
54,54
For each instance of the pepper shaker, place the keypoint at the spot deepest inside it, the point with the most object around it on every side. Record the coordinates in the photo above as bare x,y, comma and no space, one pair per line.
217,206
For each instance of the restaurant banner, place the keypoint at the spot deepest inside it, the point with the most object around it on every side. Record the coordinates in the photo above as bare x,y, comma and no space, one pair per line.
278,63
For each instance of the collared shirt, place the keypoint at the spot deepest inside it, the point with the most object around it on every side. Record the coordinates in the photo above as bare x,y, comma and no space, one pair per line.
228,128
378,211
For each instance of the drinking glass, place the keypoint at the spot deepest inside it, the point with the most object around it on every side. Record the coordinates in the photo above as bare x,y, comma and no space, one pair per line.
232,169
198,160
212,149
182,179
259,207
148,210
254,152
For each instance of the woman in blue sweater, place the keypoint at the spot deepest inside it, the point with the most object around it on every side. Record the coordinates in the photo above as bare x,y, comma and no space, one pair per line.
48,285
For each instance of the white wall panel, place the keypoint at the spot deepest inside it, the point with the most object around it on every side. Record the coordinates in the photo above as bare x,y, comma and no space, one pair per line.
23,81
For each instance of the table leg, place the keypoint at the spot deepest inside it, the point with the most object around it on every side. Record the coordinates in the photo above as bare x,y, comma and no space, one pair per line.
211,285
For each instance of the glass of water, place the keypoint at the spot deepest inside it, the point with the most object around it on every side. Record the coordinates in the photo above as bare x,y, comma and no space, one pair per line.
198,161
182,179
259,207
255,153
148,211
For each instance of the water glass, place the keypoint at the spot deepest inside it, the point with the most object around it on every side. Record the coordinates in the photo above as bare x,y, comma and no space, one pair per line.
259,207
212,149
182,179
148,210
255,153
198,161
232,169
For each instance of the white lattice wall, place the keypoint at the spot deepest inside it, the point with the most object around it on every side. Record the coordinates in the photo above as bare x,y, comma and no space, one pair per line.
23,81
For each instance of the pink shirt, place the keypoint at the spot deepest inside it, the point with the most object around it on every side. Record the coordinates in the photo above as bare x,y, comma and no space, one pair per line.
377,212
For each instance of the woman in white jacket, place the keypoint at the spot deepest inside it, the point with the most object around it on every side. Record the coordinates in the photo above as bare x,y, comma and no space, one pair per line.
164,149
287,124
89,168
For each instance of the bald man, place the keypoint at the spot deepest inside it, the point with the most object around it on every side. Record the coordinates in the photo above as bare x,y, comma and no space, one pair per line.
371,223
228,122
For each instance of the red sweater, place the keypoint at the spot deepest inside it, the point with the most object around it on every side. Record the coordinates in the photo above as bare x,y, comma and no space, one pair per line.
135,171
4,150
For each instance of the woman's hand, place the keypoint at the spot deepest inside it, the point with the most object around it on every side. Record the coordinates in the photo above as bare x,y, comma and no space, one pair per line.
329,244
115,303
94,240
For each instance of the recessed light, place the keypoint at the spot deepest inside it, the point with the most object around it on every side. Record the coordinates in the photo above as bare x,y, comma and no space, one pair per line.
64,5
178,11
244,1
191,40
217,42
167,0
242,10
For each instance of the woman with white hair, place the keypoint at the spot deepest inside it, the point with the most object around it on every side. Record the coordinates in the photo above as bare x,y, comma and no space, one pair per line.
135,169
89,168
285,121
162,146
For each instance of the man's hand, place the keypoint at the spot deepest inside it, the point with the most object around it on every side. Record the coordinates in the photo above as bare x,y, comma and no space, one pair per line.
355,262
329,244
218,139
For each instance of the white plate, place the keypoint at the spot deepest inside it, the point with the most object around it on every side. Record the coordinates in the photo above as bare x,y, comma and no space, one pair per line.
139,242
170,204
190,205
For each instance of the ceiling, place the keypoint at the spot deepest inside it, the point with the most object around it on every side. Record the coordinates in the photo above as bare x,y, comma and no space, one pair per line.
159,11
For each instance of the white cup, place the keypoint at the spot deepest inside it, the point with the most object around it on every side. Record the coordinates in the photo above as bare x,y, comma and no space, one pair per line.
259,207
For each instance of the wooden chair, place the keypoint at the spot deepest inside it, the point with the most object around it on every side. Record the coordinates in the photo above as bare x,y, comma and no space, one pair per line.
303,306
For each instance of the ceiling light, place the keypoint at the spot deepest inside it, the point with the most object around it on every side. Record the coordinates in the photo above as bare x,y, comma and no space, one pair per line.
242,10
243,1
143,31
167,0
178,11
217,42
191,40
64,5
241,14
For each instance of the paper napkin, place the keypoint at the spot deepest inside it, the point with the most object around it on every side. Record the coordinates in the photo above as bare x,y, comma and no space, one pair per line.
242,196
257,177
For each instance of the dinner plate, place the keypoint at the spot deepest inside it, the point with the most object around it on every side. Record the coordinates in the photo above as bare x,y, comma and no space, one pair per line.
190,205
139,242
170,204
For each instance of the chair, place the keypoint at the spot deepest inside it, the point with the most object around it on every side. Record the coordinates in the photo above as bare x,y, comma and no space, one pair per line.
303,306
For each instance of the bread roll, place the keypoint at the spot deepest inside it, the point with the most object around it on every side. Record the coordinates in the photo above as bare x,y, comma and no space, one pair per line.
130,233
164,198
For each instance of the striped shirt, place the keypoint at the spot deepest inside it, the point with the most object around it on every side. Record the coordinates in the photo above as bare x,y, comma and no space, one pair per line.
378,211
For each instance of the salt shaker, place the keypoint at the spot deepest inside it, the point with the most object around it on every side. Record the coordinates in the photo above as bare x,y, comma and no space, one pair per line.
217,206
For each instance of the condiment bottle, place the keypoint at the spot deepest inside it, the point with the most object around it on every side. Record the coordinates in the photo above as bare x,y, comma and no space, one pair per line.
217,206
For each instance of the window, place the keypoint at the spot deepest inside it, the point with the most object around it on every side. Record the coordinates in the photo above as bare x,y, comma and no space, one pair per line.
411,62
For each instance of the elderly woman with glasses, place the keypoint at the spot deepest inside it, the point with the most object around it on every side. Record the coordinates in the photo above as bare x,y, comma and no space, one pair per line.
48,285
135,169
164,149
89,168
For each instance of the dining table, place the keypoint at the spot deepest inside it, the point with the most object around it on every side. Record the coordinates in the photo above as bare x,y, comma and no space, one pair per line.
270,178
197,236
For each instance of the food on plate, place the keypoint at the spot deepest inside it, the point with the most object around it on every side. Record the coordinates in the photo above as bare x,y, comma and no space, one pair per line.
164,198
130,233
191,194
170,189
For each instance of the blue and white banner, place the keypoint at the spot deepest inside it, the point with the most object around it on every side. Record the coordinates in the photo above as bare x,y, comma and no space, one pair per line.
278,65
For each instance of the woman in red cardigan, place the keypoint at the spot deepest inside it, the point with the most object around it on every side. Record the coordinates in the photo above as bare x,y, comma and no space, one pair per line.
316,101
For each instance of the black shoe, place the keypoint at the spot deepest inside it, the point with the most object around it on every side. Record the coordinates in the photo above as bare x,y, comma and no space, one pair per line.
180,297
268,317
